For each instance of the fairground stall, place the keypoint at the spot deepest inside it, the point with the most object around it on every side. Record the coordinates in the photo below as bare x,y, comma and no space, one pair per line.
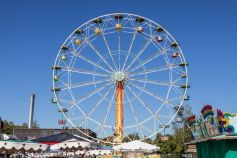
21,148
214,133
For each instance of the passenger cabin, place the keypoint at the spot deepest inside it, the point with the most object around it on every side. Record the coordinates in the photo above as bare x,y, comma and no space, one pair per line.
56,67
54,100
175,55
62,110
97,31
55,78
176,108
183,64
174,44
185,86
64,48
159,39
159,29
140,19
140,29
56,89
183,75
63,57
79,32
187,97
118,27
179,119
78,42
118,17
97,21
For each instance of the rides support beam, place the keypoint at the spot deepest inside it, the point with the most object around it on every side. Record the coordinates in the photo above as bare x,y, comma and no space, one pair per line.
119,112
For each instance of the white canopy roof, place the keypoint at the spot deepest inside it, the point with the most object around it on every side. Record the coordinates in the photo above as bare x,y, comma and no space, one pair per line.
73,144
136,146
72,154
14,145
7,137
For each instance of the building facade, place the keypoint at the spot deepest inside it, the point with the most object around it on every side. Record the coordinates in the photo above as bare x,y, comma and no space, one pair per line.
34,133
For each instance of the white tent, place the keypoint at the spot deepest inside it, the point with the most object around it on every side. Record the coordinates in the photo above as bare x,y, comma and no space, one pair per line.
74,144
98,152
136,146
10,146
8,137
83,153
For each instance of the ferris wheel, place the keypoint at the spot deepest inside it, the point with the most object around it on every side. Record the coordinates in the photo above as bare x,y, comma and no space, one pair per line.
120,75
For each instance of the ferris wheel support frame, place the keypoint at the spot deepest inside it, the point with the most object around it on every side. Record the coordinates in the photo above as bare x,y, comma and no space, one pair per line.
119,117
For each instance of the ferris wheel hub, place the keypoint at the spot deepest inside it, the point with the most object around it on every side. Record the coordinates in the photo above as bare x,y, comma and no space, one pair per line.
119,76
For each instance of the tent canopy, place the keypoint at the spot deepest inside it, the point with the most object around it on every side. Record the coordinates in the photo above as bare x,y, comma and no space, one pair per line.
73,145
11,146
61,137
136,146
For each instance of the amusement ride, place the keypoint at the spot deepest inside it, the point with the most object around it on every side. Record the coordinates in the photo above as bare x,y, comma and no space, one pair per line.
120,75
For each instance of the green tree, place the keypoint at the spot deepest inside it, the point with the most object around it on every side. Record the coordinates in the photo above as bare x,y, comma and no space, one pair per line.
35,124
132,136
175,146
9,126
24,125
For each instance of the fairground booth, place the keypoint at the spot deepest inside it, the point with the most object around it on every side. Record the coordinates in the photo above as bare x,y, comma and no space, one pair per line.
214,133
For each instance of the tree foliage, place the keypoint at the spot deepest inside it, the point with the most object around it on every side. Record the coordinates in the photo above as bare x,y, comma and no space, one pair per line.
9,126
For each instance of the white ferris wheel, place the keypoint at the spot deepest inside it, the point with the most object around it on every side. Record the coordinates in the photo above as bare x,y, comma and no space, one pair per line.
120,74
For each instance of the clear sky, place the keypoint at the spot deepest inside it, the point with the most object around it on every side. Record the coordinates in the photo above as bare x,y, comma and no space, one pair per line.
32,31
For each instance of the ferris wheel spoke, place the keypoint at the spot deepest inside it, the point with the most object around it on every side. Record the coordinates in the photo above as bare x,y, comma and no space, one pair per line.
70,106
147,92
74,101
89,61
98,103
98,53
178,71
127,135
143,104
164,54
141,51
67,102
84,84
174,99
106,115
83,71
167,97
131,45
152,82
147,129
108,48
138,126
93,93
119,60
126,20
177,90
61,94
152,57
152,70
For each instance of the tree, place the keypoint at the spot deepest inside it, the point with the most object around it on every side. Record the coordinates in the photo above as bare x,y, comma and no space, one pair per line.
24,125
9,126
133,136
35,124
175,146
148,140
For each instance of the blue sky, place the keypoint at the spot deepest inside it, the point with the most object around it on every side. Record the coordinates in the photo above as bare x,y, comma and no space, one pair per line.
31,33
